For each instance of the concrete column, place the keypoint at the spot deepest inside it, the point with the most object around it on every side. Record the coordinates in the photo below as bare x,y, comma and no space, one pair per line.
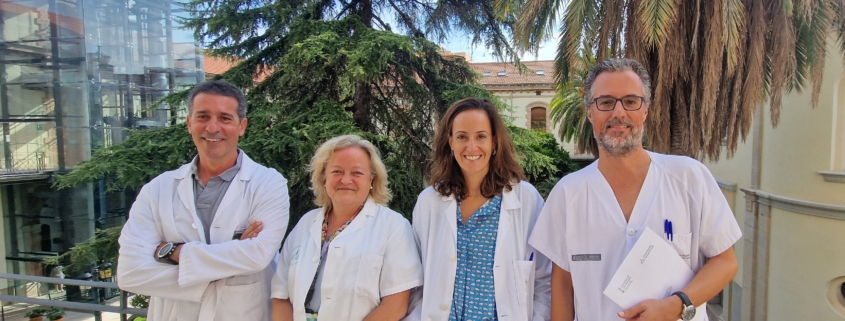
749,235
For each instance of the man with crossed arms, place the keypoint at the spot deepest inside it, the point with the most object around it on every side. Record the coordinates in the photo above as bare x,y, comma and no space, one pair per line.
201,240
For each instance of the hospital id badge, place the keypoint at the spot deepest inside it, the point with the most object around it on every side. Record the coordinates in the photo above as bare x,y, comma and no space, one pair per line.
310,317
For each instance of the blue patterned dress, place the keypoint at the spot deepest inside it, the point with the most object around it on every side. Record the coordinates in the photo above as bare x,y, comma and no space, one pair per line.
474,297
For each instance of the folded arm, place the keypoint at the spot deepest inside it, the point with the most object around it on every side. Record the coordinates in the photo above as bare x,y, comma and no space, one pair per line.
137,269
240,257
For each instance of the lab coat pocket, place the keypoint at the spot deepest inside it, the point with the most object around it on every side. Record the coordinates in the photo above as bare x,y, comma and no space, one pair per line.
244,279
681,242
239,302
368,277
523,281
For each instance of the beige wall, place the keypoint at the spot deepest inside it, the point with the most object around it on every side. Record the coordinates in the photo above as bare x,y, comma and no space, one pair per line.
807,140
802,256
806,254
519,101
736,170
837,161
803,143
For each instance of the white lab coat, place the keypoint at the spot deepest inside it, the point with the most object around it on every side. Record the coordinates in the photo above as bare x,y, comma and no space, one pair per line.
221,281
582,219
375,256
521,286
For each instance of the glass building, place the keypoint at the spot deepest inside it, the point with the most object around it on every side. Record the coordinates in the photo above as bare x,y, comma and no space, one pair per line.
76,74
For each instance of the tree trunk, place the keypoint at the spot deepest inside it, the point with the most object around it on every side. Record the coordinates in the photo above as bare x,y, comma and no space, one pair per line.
365,11
363,91
361,109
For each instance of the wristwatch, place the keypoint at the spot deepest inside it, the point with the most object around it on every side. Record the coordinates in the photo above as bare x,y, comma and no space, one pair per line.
165,252
688,310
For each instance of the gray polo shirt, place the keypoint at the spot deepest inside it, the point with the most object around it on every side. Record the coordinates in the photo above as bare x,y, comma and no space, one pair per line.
207,198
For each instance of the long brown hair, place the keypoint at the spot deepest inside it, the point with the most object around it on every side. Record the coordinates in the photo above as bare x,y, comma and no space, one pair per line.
446,175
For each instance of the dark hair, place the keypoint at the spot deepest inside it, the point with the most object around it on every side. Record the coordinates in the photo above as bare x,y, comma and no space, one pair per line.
222,88
446,175
616,65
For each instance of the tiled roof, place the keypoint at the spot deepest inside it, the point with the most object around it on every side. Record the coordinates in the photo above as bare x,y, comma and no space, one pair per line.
511,75
217,66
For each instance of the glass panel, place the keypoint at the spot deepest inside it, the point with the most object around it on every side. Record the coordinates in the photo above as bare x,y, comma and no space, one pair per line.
73,76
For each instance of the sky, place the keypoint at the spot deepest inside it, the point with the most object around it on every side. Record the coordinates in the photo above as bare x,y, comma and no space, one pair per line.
481,54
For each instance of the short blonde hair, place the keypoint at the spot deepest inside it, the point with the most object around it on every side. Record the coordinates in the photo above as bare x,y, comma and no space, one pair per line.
380,192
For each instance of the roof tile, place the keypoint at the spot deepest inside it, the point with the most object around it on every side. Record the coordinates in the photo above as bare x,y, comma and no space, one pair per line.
512,76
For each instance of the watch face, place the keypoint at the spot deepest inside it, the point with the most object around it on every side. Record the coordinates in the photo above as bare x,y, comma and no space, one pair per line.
688,313
164,250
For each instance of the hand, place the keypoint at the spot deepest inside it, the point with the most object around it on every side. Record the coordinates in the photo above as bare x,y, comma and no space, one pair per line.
252,230
668,309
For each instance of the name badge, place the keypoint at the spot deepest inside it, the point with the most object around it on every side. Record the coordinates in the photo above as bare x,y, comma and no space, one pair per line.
310,317
586,257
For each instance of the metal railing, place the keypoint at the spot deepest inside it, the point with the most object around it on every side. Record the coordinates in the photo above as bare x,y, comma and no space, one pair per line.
123,310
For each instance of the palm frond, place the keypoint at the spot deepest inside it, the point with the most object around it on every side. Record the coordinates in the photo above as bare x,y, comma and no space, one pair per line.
782,60
575,21
712,63
810,47
656,14
535,23
734,19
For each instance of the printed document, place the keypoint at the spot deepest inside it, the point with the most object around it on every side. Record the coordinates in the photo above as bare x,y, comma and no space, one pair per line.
652,270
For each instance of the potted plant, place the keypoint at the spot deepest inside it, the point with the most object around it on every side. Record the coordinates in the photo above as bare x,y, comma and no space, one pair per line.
54,314
35,314
139,301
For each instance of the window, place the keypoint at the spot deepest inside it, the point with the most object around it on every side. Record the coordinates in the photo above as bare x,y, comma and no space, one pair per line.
836,295
540,72
503,73
538,119
486,74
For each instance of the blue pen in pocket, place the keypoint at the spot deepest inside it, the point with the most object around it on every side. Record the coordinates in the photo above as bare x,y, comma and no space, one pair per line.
667,229
531,258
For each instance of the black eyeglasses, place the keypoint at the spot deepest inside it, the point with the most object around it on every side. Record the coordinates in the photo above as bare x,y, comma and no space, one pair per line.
629,103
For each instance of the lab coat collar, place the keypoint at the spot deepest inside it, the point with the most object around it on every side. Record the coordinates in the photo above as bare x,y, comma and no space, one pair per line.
370,210
510,201
185,189
248,168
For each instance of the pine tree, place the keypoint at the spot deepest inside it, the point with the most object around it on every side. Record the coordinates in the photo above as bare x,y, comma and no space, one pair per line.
327,68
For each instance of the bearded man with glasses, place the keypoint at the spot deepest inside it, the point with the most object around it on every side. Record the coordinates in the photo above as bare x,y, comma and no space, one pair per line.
593,217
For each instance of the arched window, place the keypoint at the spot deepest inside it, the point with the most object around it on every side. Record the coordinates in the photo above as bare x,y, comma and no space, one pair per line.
538,119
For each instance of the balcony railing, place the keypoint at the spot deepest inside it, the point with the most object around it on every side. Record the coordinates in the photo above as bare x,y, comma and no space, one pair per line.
123,310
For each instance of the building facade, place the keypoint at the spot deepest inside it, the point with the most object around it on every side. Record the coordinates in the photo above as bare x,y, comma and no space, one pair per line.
529,95
786,185
76,75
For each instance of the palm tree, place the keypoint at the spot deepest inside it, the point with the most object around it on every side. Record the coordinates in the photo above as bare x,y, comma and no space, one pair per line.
567,108
711,62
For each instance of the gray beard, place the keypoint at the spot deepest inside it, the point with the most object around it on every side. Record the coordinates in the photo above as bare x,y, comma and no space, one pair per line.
620,146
